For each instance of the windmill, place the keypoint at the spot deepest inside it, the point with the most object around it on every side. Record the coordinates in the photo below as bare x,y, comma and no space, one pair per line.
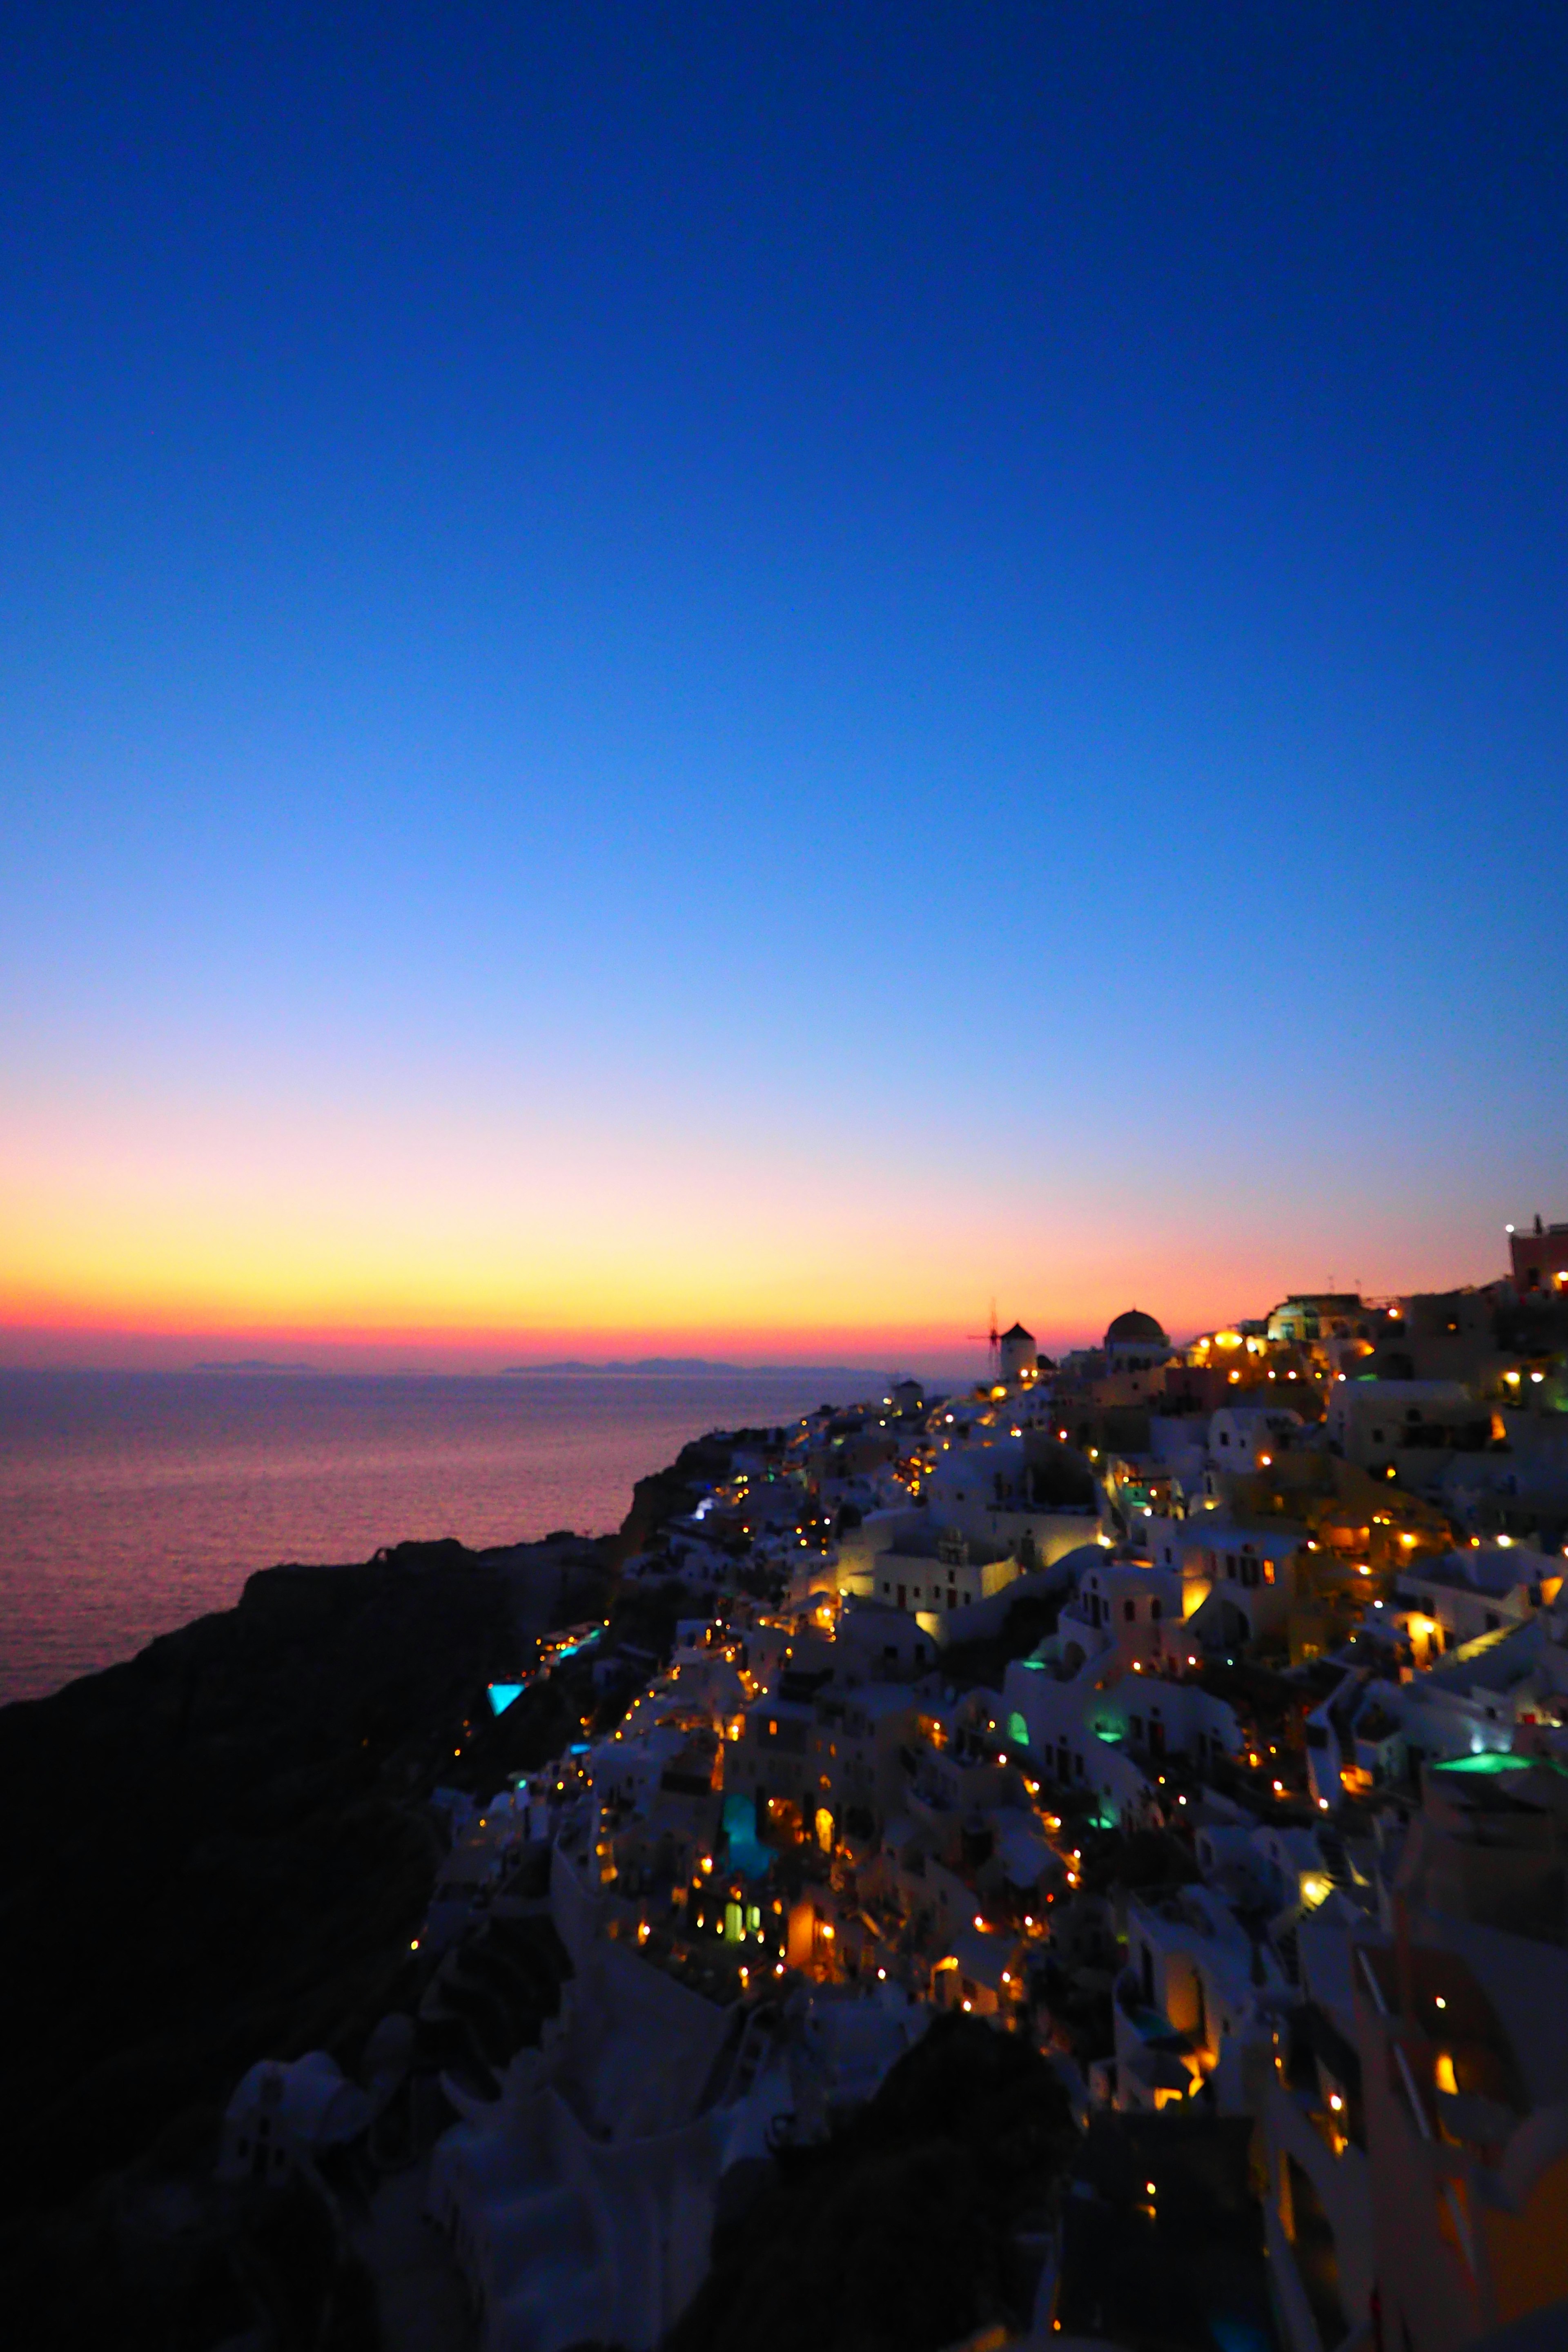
990,1340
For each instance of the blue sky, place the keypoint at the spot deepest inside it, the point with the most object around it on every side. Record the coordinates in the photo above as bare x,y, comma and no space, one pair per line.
748,672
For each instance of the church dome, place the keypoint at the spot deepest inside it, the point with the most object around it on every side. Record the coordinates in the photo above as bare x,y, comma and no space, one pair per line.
1134,1326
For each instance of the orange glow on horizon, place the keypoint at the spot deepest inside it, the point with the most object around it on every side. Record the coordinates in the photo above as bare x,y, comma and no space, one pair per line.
456,1244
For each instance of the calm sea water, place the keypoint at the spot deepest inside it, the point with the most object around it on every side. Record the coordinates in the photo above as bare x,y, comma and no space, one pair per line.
131,1502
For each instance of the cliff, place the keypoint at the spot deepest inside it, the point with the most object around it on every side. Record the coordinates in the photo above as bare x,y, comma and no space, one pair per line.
220,1851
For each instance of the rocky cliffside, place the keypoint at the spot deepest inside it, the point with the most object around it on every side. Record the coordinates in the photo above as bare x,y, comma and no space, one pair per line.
220,1851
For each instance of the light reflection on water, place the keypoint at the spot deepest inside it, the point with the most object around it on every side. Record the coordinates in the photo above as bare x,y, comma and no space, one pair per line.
131,1502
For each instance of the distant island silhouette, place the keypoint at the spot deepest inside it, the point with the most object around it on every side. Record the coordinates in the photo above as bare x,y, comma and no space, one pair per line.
674,1364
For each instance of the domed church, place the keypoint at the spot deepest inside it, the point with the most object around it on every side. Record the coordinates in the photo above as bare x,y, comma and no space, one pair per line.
1135,1343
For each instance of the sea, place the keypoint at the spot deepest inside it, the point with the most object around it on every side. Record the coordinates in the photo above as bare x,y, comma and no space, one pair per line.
131,1502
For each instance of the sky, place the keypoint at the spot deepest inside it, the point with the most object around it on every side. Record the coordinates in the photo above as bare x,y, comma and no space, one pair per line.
731,679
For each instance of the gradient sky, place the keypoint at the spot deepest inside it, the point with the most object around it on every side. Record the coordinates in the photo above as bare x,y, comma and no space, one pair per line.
730,677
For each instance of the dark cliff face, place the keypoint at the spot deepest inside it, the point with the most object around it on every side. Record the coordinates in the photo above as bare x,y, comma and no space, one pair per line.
220,1850
900,2233
668,1493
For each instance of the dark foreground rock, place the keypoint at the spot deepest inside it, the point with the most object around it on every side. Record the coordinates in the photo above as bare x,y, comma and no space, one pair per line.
917,2224
220,1850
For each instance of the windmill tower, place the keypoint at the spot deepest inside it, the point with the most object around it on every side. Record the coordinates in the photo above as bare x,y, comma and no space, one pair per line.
992,1342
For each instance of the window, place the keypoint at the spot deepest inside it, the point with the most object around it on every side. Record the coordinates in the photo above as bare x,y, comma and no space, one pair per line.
1129,1609
1154,1610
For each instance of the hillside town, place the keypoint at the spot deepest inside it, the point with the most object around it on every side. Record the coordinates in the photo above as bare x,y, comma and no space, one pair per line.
1191,1717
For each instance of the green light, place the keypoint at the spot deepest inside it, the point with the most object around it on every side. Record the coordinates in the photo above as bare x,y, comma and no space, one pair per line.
1494,1760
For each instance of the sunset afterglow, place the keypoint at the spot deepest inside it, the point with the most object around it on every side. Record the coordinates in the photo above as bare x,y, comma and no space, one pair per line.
758,784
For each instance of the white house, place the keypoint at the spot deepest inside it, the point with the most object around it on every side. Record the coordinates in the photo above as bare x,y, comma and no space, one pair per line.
1250,1437
287,2114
